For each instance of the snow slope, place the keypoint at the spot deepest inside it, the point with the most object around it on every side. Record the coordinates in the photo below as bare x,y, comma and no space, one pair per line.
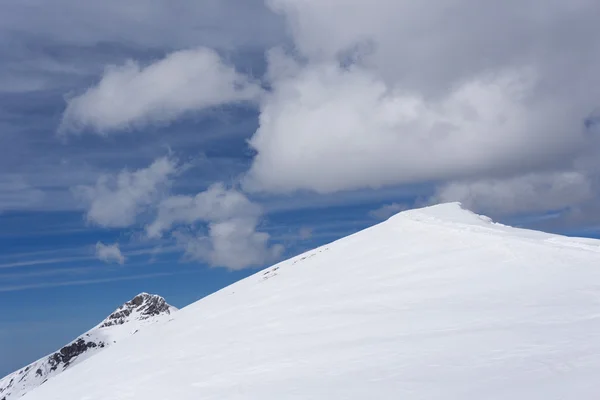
437,303
144,309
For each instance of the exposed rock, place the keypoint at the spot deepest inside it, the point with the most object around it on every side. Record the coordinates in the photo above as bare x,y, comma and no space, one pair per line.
142,310
144,304
66,354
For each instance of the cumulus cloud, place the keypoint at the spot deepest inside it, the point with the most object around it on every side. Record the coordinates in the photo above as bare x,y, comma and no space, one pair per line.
109,253
234,244
133,96
217,203
387,210
332,128
232,240
393,92
116,201
521,194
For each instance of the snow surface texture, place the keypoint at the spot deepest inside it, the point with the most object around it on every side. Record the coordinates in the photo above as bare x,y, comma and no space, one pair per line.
437,303
144,309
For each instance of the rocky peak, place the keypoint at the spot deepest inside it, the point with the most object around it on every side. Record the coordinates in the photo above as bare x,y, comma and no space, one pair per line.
141,307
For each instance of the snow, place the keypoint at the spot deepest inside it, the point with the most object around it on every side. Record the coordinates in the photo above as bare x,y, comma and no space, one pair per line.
97,339
437,303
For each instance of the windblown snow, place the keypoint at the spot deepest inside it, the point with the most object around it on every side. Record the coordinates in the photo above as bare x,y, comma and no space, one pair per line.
144,309
436,303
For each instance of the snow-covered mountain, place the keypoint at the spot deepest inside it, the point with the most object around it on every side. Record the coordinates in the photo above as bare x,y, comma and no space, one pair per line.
436,303
144,309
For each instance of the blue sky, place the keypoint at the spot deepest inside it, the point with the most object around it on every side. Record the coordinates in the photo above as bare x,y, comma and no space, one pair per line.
176,147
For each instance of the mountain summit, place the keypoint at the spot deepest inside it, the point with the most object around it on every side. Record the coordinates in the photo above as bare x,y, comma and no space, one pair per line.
438,303
144,309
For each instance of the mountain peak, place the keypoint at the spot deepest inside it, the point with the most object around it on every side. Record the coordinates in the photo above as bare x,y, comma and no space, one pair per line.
144,309
141,307
436,303
449,212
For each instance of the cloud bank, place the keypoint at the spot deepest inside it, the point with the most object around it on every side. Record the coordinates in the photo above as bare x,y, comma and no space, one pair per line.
393,92
492,105
520,195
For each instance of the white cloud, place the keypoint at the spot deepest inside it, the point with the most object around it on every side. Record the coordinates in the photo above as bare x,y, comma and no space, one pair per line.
109,253
330,129
232,240
217,204
522,194
132,96
392,92
387,210
116,201
233,243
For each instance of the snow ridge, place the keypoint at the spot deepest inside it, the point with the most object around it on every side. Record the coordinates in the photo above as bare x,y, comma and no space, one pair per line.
144,309
437,303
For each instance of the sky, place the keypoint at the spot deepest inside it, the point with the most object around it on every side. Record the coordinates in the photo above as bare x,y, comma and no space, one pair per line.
175,147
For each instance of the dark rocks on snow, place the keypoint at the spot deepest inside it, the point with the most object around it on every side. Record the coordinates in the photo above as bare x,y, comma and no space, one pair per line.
145,304
67,353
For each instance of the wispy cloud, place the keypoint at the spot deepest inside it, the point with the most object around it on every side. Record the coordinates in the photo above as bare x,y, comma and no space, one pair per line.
132,250
387,210
50,272
62,260
233,240
116,201
15,288
16,193
305,233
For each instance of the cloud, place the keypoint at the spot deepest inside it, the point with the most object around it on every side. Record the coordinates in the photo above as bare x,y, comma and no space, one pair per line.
331,128
15,288
233,243
231,240
387,210
155,24
131,96
305,233
424,47
116,201
109,253
217,203
389,92
61,260
17,194
522,194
